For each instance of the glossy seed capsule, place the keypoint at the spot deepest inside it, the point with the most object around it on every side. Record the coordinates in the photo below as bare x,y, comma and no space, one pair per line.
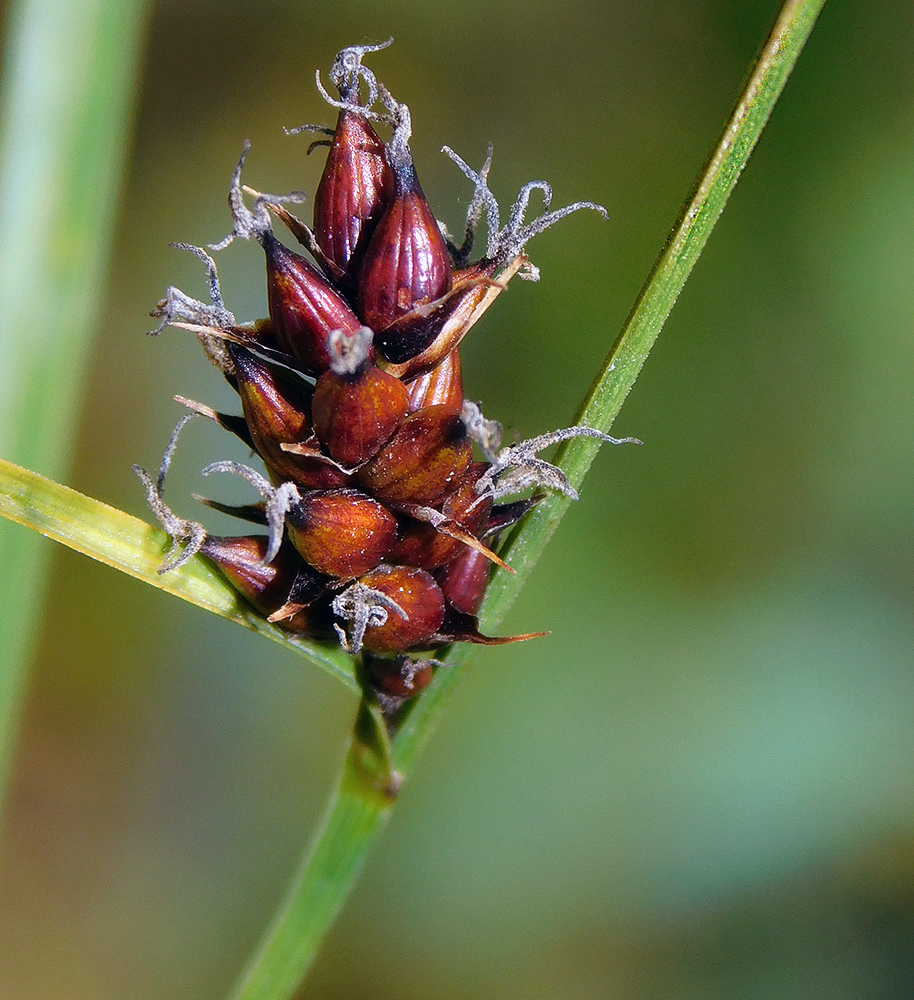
419,597
407,264
463,581
423,461
276,413
342,533
354,414
399,678
304,307
355,188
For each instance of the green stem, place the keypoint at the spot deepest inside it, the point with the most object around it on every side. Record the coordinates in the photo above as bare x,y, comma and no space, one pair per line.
66,113
356,814
358,811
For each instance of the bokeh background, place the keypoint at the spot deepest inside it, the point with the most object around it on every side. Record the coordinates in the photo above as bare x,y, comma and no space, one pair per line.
702,783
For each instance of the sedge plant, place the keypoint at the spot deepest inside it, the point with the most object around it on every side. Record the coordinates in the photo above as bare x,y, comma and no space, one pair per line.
387,734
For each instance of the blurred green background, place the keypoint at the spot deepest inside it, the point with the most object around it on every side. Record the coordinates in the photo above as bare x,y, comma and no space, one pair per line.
702,783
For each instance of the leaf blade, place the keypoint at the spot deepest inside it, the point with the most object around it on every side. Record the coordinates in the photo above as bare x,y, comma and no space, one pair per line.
70,73
136,548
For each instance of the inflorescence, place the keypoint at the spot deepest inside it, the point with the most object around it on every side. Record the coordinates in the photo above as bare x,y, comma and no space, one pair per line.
379,524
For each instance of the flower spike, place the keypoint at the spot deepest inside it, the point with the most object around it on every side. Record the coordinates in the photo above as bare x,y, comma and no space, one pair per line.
376,517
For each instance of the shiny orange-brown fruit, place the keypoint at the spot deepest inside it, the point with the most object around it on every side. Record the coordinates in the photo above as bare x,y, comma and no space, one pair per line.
342,533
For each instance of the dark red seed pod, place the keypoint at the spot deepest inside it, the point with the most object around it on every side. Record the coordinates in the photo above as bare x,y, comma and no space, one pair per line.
268,586
463,581
421,544
423,461
304,307
355,414
276,413
265,585
407,264
342,533
442,386
421,601
398,679
355,188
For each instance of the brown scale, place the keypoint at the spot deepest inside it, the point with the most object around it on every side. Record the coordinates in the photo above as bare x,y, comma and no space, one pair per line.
417,342
276,413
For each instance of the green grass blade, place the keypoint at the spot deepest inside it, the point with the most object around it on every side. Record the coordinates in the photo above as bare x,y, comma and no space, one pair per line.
355,817
663,285
136,548
635,340
67,105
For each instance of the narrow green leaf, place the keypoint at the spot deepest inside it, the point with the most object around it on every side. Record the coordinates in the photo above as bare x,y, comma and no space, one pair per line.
136,548
358,812
628,354
67,107
663,285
